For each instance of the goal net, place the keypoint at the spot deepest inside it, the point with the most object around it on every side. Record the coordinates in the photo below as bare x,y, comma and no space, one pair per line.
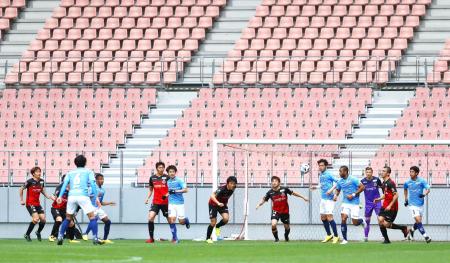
254,162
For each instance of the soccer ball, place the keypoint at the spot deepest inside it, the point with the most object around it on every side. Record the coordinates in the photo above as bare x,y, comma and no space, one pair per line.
304,168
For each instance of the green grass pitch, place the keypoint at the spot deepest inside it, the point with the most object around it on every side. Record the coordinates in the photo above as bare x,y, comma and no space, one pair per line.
224,251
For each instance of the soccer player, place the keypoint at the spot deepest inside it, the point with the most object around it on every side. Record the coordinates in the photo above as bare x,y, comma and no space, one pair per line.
59,213
351,188
327,185
280,206
218,204
414,195
372,187
34,187
389,208
158,185
99,212
177,187
79,179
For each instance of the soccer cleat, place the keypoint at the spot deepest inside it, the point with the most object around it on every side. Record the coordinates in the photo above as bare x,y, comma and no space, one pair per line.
27,237
344,242
85,237
74,241
335,240
51,239
286,238
175,241
276,240
386,242
98,242
366,239
60,241
428,239
217,232
38,235
209,241
327,238
405,233
107,241
149,241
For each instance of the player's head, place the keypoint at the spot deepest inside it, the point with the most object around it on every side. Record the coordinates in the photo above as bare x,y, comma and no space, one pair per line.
231,182
36,172
171,171
160,166
275,181
368,171
343,171
386,172
414,172
99,179
80,161
323,163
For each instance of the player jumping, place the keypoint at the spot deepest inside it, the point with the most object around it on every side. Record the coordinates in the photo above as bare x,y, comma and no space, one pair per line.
280,206
34,187
79,179
327,185
177,187
218,204
158,184
351,188
99,212
389,208
372,185
414,196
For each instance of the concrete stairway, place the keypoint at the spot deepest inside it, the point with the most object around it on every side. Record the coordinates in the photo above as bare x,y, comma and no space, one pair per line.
147,136
219,40
23,30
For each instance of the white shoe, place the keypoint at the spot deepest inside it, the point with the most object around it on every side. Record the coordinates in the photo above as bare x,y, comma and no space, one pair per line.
366,239
344,242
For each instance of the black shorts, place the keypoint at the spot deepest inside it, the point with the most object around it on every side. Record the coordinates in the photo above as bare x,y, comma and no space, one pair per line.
164,209
35,209
58,212
283,217
213,210
388,215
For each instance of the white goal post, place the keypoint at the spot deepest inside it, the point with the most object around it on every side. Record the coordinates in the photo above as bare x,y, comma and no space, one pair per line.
216,143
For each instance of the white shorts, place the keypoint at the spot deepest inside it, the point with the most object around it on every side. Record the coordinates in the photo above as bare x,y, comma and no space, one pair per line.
326,207
176,211
350,210
100,213
82,201
416,210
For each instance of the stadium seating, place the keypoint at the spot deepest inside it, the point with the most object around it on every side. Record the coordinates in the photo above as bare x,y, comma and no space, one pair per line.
9,11
115,42
65,122
441,69
267,113
322,42
427,117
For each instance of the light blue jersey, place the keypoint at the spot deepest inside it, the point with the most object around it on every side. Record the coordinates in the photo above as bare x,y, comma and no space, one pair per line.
327,181
101,194
347,187
176,184
415,188
79,180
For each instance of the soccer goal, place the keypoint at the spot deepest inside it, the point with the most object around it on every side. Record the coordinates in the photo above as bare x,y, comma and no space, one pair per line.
255,161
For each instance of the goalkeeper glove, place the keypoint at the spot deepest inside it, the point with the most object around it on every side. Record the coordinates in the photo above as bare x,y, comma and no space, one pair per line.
406,203
171,192
421,195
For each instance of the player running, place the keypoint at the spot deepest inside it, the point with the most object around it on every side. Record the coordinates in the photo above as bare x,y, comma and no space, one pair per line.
414,196
389,208
351,188
99,212
34,187
177,187
372,187
79,179
218,204
158,185
59,213
280,206
327,185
